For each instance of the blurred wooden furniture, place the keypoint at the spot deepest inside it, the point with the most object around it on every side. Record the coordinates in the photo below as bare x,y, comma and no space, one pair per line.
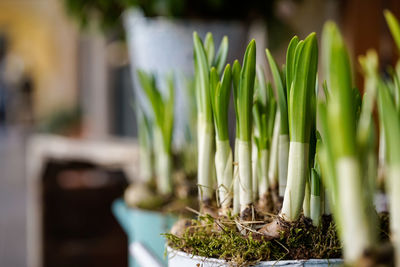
114,155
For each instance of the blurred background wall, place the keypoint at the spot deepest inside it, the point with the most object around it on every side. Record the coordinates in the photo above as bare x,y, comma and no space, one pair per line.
42,44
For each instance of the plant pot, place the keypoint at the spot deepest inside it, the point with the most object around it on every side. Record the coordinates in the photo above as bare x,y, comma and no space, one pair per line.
163,45
144,227
183,259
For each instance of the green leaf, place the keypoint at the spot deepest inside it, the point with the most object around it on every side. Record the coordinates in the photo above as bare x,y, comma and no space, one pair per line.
357,102
264,109
147,83
210,48
303,90
325,88
144,127
271,111
341,108
236,69
324,152
202,79
394,27
261,91
257,116
369,64
290,58
221,102
222,54
279,86
214,83
169,113
397,83
245,93
315,183
163,109
214,79
389,116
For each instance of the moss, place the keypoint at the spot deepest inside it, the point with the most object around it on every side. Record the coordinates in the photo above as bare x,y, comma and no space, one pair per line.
176,206
184,195
219,238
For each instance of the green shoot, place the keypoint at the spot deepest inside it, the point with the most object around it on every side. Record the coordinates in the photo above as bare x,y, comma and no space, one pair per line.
301,118
163,113
391,122
220,96
145,146
264,109
243,93
394,27
339,155
206,83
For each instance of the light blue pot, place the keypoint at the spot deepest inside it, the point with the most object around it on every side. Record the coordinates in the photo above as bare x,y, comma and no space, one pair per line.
145,227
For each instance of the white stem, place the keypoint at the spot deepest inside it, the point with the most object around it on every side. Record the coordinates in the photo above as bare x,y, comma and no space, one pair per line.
162,163
315,209
381,155
254,169
382,149
306,201
394,195
356,232
245,175
164,173
296,178
205,170
264,183
283,153
331,198
273,159
236,190
146,170
223,165
164,184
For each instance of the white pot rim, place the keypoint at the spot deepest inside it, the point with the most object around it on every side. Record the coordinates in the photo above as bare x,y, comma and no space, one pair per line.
173,252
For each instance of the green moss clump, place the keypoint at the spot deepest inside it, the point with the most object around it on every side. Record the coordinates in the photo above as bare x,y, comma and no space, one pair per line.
176,203
219,238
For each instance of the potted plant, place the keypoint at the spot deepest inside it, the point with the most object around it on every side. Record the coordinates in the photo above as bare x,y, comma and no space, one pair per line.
331,165
155,137
164,189
154,202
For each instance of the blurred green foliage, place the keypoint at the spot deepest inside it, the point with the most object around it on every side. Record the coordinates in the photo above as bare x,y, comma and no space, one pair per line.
108,12
64,121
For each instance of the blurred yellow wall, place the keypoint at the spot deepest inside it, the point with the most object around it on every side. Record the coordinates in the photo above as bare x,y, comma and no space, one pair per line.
40,32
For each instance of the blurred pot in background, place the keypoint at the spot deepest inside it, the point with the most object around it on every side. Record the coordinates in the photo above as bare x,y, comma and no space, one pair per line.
159,32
